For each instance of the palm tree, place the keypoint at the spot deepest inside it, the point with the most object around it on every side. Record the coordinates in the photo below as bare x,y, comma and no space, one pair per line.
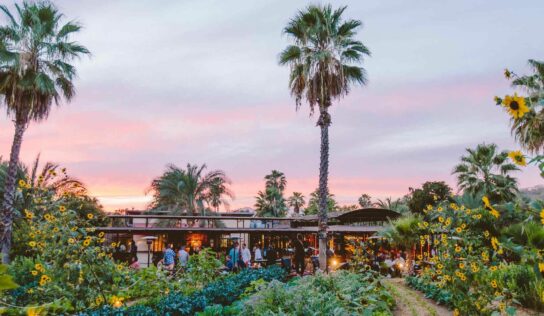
296,201
323,60
313,203
276,179
35,73
529,129
178,190
485,171
398,205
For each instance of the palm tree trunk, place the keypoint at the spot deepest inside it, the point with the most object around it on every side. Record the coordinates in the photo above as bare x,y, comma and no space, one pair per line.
9,190
323,188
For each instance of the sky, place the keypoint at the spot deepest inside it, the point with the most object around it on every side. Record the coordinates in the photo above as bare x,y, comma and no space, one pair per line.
199,82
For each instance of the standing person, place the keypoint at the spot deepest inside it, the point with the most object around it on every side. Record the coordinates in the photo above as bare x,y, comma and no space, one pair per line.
183,257
168,257
271,254
133,248
234,254
300,265
258,252
246,256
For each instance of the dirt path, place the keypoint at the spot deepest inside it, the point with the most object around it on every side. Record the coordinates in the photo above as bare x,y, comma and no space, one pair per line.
411,302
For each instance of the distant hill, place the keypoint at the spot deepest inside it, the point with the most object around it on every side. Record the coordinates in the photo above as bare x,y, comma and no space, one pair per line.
534,193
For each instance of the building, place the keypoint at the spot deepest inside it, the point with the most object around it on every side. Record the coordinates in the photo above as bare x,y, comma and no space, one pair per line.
152,232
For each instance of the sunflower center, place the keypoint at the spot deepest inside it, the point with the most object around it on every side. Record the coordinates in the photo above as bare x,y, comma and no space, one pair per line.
514,105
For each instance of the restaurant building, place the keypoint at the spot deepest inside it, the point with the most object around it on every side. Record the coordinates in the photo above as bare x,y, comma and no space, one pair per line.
152,232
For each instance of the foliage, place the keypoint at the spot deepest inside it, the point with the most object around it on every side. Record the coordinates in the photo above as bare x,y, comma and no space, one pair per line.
223,292
65,264
528,128
365,200
202,268
471,250
340,293
313,203
189,190
431,290
430,193
485,171
271,202
296,201
398,205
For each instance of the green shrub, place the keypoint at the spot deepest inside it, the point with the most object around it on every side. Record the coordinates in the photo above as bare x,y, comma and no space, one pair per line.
340,293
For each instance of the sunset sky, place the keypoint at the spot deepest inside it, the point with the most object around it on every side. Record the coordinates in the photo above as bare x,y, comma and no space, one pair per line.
198,82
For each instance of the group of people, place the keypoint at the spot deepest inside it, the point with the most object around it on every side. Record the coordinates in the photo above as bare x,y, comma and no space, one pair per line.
241,257
392,263
170,257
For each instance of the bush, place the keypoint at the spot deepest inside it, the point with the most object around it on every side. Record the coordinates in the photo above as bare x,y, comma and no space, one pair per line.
340,293
221,292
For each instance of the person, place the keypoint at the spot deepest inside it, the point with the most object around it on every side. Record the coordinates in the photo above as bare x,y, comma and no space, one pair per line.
246,256
183,257
271,255
229,264
399,265
134,263
258,252
234,254
133,248
299,255
388,264
122,248
168,257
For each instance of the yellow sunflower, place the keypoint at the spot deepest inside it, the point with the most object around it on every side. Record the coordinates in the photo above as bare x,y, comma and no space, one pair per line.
22,183
32,244
515,105
518,158
90,216
485,199
34,272
86,242
494,284
62,208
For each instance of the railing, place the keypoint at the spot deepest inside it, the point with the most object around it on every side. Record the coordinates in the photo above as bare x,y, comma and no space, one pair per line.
170,221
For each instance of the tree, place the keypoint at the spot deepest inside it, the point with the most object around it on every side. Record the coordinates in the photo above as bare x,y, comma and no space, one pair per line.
313,203
35,73
271,202
323,61
296,201
398,205
430,193
485,171
365,201
189,190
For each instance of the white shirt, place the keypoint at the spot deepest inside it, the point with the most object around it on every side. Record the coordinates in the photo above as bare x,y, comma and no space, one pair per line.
246,255
258,254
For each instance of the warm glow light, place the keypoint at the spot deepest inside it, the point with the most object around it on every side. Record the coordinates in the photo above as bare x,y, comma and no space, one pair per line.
334,262
117,303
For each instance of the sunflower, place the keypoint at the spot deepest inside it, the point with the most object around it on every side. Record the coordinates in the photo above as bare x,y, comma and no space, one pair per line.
515,105
90,216
440,219
458,230
494,284
86,242
22,183
71,240
493,268
495,213
518,158
28,214
34,272
485,199
494,243
461,265
458,249
62,208
32,244
101,234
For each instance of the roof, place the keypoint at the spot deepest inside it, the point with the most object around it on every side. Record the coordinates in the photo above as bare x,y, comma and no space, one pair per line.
364,214
311,229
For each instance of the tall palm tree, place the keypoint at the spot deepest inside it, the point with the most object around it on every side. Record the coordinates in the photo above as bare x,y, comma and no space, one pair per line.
35,73
296,201
324,60
189,190
485,171
529,129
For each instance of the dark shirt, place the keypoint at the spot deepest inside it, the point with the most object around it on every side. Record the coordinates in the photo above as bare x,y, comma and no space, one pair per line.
299,249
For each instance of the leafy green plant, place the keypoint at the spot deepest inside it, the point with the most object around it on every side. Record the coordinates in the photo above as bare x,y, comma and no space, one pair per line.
340,293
